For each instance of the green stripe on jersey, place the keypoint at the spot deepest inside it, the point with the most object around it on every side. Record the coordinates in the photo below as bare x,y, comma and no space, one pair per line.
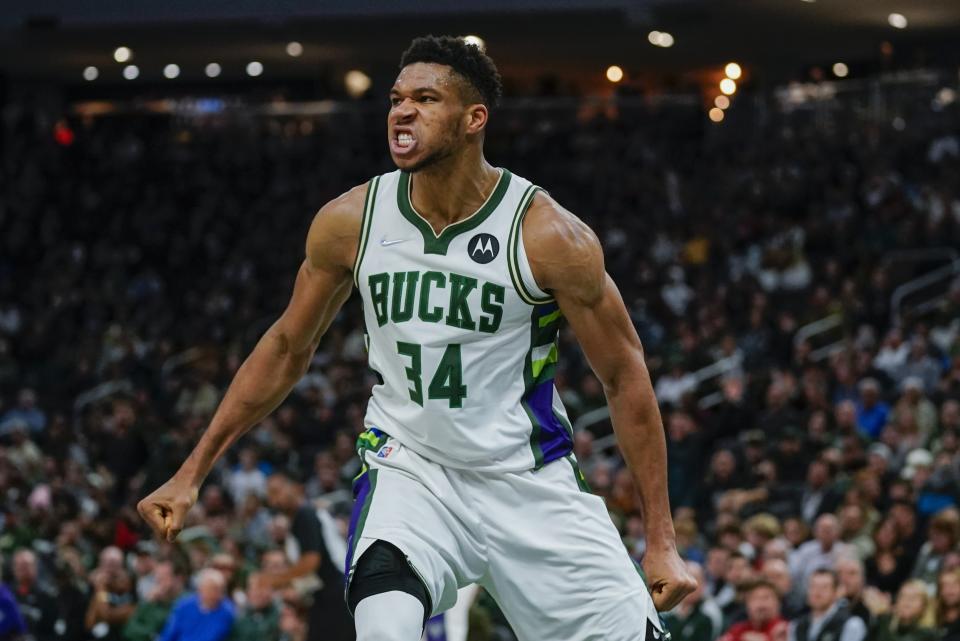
434,243
368,204
514,242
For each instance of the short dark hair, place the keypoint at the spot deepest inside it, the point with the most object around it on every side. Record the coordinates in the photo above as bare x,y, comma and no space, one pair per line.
826,572
467,60
759,584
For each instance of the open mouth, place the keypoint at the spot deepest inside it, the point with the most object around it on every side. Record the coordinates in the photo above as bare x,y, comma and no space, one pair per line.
403,143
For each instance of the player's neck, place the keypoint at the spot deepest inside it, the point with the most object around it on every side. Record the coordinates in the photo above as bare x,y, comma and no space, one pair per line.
453,189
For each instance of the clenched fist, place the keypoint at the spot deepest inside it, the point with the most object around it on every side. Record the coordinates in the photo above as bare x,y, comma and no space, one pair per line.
667,578
166,508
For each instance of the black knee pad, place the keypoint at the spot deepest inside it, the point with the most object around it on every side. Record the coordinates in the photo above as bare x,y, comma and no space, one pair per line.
384,568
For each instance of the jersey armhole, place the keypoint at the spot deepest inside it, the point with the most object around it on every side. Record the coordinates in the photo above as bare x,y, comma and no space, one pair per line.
368,205
520,271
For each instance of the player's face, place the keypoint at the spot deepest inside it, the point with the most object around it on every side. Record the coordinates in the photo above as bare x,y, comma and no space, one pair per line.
426,119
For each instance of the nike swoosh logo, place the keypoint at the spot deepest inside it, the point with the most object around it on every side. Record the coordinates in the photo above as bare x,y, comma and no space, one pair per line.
386,243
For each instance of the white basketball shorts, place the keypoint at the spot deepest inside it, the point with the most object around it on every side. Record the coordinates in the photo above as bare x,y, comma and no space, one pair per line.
537,541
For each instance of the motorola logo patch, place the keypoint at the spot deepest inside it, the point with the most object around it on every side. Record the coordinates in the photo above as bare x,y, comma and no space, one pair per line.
483,248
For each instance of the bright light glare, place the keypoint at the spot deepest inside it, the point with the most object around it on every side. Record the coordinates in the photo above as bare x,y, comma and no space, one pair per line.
294,49
356,82
476,41
716,114
721,102
254,68
728,86
122,54
130,72
212,70
733,71
171,71
90,74
614,73
897,20
840,70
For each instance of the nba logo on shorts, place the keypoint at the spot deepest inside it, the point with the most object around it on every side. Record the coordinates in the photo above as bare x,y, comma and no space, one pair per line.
385,451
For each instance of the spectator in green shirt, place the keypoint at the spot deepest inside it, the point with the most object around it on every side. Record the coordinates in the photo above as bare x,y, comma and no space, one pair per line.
688,621
149,617
261,618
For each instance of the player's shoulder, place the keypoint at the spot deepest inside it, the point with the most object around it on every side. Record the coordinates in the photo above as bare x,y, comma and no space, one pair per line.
335,229
562,250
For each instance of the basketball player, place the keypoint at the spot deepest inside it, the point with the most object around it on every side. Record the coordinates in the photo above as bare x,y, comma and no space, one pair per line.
466,272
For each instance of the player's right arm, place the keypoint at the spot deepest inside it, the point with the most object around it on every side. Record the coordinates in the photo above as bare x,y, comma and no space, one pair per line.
279,359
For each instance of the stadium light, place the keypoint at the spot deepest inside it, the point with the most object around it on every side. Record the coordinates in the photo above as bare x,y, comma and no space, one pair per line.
721,102
660,39
728,86
614,73
716,114
212,70
294,49
476,41
171,71
254,68
122,54
733,71
840,70
90,74
130,72
356,82
897,20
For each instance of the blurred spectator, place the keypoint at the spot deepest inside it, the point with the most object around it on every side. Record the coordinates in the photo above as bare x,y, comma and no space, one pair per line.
260,620
696,618
247,478
112,599
205,616
829,616
313,572
852,578
154,610
872,413
764,622
822,552
37,602
910,619
792,601
944,535
25,412
948,605
12,625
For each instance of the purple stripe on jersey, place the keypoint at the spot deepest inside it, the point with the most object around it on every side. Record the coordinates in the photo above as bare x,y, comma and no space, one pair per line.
361,491
555,441
436,629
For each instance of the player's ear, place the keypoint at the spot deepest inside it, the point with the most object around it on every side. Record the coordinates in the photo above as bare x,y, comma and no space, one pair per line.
476,116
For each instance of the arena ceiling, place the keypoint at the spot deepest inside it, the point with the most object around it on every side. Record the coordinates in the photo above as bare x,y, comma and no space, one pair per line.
576,39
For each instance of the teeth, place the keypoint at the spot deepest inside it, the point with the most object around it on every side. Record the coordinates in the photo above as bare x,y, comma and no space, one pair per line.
405,139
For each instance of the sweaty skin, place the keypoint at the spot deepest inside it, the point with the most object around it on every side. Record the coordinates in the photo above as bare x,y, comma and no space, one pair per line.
443,116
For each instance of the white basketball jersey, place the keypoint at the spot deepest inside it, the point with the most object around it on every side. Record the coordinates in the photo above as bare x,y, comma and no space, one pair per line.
463,341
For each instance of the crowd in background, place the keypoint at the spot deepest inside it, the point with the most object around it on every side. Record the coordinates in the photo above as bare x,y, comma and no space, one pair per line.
141,257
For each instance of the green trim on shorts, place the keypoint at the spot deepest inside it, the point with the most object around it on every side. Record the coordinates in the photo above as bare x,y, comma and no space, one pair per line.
578,475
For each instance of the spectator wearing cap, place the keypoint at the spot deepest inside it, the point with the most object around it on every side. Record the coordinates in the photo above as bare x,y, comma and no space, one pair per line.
821,552
764,622
689,621
829,617
948,604
154,609
205,616
872,412
37,601
943,535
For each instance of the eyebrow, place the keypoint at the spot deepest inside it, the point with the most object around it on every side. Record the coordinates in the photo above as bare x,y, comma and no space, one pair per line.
394,90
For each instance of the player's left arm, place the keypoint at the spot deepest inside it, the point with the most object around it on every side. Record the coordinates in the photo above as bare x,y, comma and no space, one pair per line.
567,261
